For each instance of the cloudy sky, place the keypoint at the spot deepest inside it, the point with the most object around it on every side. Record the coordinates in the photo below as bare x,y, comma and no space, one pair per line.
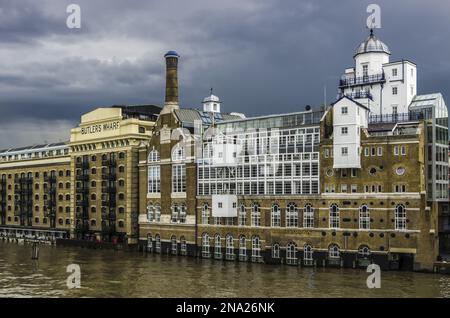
261,56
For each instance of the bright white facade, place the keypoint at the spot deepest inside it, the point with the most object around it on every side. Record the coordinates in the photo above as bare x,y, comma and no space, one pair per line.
348,119
386,88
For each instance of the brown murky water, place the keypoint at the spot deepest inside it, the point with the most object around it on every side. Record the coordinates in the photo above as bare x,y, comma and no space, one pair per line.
107,273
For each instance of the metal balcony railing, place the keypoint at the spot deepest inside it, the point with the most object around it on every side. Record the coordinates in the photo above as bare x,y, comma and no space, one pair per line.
357,95
362,80
395,118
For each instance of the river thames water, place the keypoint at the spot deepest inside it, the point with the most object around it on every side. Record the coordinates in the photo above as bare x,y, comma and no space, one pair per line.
109,273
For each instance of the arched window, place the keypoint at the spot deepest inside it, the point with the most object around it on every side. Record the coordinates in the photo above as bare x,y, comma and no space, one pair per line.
291,254
400,217
364,251
334,216
291,215
308,216
229,253
174,245
183,246
333,252
276,250
205,246
242,248
205,214
150,213
364,218
256,215
242,215
276,216
307,254
256,249
158,243
178,153
153,156
154,173
217,247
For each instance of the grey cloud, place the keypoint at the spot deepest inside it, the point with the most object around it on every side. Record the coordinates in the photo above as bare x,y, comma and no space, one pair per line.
260,56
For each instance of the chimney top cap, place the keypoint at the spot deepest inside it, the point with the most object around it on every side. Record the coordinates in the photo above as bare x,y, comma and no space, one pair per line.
171,54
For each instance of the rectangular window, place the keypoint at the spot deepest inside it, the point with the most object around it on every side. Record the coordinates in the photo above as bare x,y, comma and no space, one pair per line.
366,151
380,151
394,90
354,172
179,178
344,151
343,188
154,181
327,153
394,72
373,151
354,188
396,151
344,173
394,109
365,69
344,110
403,150
344,130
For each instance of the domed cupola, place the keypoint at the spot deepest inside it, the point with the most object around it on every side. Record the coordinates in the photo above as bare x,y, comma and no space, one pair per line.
372,45
211,103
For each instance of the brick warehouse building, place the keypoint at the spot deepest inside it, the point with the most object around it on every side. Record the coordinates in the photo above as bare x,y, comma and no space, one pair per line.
362,180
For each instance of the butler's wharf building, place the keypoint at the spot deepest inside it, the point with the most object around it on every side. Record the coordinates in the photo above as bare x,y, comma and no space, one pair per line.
362,180
84,189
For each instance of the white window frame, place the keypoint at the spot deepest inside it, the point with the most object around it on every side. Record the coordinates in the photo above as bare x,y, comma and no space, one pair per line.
364,217
206,251
291,254
334,222
275,216
256,249
276,250
229,249
179,178
291,215
217,247
400,217
256,215
308,216
308,254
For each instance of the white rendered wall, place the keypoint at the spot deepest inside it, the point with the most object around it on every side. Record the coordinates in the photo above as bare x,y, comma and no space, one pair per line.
354,120
224,205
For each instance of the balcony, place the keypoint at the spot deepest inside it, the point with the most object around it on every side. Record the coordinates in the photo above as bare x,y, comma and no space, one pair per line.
82,165
82,203
109,189
50,179
358,95
26,180
82,190
109,162
109,176
362,80
109,203
395,118
50,191
82,177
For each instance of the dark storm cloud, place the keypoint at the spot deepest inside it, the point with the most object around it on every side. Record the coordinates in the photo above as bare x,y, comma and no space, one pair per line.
261,56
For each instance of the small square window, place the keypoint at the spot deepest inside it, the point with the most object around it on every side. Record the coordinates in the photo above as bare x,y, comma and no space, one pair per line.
344,130
394,90
344,110
344,151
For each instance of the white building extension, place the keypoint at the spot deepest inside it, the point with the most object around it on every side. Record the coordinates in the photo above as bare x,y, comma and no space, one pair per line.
348,119
386,88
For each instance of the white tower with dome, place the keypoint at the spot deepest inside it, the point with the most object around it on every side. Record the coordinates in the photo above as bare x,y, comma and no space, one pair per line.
386,88
211,103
